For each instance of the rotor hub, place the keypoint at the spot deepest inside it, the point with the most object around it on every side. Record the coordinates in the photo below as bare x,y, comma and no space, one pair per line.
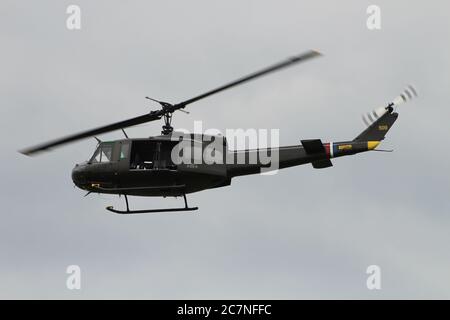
167,128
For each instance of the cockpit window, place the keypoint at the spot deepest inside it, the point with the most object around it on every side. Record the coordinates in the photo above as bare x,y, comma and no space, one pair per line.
96,156
106,153
103,153
124,148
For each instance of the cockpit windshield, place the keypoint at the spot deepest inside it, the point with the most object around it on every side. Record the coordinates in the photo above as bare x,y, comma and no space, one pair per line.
103,153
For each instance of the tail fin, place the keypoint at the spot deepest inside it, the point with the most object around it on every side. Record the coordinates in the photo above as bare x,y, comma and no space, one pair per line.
381,120
379,128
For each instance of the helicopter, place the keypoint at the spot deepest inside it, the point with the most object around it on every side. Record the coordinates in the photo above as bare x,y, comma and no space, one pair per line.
149,167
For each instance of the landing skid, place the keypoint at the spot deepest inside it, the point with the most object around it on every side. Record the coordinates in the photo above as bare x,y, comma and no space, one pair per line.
128,211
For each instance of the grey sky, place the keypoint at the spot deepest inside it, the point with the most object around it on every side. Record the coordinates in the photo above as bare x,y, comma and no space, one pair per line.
302,233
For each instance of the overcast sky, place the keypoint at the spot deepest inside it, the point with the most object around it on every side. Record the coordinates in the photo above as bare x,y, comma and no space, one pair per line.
303,233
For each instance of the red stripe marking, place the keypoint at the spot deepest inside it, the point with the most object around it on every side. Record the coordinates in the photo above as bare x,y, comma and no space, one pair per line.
327,149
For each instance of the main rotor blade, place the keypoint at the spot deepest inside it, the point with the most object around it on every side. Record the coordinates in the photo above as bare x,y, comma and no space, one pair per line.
155,115
166,107
300,58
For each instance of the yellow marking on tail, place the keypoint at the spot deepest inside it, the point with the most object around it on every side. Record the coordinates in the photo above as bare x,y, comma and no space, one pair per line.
372,144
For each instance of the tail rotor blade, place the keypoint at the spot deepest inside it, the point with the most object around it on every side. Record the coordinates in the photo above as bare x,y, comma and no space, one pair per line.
373,116
408,94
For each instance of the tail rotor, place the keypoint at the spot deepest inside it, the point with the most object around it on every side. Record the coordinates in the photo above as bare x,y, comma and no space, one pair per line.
408,94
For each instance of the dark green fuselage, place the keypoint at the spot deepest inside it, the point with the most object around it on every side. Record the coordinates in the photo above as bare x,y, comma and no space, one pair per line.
145,167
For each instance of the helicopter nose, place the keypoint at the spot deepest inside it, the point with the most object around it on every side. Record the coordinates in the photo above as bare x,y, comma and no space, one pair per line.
79,176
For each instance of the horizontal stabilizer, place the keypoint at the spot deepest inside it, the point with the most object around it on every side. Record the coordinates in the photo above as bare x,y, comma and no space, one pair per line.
320,164
313,146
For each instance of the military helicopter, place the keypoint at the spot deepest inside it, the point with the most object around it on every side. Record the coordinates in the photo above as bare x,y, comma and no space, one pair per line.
148,167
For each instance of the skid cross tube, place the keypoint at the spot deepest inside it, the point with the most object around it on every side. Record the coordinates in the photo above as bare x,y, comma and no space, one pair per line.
128,211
